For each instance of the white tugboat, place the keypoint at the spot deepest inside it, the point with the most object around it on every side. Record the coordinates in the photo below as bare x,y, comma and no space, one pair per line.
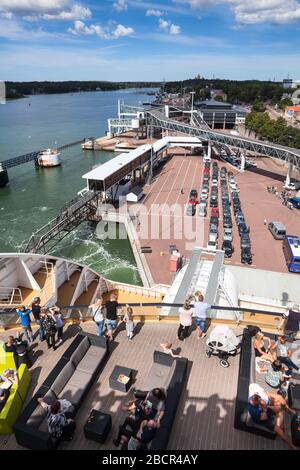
49,157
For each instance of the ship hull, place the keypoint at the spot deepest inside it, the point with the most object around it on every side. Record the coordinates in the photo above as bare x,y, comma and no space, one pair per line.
49,161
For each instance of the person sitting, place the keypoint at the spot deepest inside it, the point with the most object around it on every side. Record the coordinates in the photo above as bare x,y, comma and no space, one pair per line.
283,353
156,399
59,426
144,435
259,347
10,345
267,409
274,375
140,410
10,375
3,397
167,349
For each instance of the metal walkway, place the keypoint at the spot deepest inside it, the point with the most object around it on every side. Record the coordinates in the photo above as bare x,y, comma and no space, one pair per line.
213,283
73,214
31,156
156,118
187,280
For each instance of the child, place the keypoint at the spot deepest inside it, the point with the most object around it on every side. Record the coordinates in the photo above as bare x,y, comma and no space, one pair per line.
167,348
128,319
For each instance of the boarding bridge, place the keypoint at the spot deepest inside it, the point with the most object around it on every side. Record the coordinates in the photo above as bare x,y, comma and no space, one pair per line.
72,215
156,118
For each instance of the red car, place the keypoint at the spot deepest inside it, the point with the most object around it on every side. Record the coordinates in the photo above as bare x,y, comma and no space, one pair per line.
206,171
193,201
215,212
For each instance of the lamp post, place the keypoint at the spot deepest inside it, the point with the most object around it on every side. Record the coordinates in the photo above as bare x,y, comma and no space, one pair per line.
192,107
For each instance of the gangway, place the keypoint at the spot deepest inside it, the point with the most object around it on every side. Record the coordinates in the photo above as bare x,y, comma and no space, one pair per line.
73,214
156,118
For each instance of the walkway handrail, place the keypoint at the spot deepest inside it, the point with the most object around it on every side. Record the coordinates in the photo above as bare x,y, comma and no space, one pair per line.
167,304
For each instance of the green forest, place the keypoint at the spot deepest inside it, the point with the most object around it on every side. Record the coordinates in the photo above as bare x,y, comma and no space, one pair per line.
238,92
22,89
276,131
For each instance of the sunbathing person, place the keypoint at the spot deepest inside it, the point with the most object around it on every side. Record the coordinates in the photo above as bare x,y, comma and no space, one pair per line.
259,347
167,349
267,409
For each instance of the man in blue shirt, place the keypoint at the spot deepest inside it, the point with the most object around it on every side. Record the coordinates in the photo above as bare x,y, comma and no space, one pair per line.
24,315
201,314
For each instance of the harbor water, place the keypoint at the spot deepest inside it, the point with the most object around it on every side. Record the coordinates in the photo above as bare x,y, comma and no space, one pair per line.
35,195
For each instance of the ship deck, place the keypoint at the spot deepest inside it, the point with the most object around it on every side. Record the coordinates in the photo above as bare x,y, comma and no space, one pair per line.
205,412
157,225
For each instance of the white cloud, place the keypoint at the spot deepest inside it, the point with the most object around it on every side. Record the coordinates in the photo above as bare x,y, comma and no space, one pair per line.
6,14
77,12
163,24
255,11
154,13
120,5
80,28
33,5
168,27
175,29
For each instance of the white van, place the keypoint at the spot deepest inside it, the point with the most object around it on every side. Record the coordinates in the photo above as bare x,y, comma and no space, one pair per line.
278,230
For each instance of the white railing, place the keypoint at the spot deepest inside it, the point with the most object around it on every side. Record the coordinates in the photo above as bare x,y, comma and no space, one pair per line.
10,296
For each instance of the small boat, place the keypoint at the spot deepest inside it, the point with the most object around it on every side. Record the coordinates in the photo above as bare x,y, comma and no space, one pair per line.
49,157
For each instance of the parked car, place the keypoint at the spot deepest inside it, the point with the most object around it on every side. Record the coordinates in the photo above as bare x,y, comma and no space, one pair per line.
194,193
240,218
204,193
278,230
246,255
228,248
245,240
226,211
227,234
203,209
205,185
214,201
215,212
243,228
214,220
191,209
227,222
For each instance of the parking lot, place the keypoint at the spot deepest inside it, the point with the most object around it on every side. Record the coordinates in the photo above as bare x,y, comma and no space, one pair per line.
172,185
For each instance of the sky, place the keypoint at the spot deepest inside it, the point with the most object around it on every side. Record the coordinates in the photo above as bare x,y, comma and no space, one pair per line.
137,40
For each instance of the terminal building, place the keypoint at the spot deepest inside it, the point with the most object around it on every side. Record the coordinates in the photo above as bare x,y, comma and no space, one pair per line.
220,115
290,83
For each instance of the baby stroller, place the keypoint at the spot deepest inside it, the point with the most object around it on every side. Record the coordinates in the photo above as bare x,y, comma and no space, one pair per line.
222,342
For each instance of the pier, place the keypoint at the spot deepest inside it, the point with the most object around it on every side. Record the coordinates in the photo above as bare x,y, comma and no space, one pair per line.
29,157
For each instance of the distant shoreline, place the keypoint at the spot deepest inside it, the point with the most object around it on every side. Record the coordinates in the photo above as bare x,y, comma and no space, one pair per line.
21,90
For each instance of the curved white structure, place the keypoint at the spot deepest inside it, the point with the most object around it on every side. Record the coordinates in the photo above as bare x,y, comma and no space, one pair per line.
49,158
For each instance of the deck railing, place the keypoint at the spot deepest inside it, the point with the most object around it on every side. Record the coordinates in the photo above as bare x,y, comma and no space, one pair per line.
10,296
267,320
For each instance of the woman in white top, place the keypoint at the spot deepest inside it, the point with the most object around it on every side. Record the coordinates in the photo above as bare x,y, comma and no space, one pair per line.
98,317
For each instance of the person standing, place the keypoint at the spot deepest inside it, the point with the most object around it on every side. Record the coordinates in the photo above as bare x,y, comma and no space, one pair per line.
111,316
36,312
49,325
201,309
57,316
185,319
59,426
24,315
98,317
128,319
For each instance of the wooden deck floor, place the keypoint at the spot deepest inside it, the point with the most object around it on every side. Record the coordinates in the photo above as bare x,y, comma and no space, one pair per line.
205,413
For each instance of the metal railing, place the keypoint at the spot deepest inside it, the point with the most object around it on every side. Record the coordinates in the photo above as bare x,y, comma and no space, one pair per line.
10,296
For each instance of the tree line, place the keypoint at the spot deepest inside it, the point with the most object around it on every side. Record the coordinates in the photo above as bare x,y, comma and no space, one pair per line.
276,131
238,92
22,89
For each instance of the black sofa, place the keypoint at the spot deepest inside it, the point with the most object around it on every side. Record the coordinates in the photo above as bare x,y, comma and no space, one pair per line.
70,379
168,373
247,375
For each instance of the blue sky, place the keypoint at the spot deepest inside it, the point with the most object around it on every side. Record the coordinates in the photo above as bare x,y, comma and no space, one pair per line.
122,40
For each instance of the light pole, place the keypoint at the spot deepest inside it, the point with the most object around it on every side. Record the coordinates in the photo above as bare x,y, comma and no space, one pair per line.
192,108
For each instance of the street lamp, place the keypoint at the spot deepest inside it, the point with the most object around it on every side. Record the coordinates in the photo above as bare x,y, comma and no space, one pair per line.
192,108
